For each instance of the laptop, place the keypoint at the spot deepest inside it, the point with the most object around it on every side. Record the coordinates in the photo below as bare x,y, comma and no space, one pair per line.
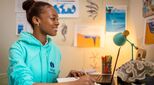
104,79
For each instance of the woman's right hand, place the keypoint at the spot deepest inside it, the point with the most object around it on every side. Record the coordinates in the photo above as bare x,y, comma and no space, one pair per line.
84,80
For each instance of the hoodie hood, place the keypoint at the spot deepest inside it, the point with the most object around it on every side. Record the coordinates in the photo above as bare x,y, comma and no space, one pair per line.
30,39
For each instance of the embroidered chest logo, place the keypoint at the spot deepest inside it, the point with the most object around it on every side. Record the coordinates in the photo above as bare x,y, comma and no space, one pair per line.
52,64
52,69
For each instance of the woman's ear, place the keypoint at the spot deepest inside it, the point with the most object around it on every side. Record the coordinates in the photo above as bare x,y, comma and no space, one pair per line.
36,20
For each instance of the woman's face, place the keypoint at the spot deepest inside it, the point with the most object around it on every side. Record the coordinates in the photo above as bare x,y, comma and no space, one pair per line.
48,21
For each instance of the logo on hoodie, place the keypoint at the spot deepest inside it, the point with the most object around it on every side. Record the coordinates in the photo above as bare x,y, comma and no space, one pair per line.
52,69
52,64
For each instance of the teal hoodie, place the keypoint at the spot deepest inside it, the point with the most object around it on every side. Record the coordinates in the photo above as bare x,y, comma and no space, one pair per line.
31,62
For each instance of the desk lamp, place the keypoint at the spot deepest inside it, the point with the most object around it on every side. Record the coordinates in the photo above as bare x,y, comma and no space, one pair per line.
120,39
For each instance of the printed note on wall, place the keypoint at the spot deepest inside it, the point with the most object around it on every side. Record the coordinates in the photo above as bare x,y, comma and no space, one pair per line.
88,36
149,31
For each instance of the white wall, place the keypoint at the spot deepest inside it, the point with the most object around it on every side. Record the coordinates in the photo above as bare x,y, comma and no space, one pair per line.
79,58
7,36
137,26
7,31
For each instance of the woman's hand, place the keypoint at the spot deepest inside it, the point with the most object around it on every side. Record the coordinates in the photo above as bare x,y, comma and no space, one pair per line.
74,73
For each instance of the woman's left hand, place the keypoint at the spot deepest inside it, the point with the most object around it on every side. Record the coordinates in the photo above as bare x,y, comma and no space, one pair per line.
74,73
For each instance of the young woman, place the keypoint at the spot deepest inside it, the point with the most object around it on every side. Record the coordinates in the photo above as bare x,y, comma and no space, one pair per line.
34,58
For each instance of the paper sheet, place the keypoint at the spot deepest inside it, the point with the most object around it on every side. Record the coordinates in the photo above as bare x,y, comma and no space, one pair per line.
69,79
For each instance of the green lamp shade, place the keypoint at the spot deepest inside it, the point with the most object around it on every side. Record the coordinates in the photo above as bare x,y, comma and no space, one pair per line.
119,39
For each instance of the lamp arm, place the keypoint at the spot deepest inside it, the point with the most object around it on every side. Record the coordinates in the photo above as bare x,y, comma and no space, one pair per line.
132,44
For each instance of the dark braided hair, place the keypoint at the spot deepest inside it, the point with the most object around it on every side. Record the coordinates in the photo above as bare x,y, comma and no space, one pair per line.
33,8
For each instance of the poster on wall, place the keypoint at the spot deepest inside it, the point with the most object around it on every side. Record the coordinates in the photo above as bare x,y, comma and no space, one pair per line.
148,8
115,18
66,8
21,20
149,31
21,23
88,36
18,5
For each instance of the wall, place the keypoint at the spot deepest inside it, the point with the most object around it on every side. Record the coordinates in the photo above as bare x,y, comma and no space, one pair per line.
137,27
7,31
7,36
79,58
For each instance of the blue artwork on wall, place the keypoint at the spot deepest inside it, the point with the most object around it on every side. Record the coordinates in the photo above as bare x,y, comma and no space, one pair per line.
63,10
115,19
66,8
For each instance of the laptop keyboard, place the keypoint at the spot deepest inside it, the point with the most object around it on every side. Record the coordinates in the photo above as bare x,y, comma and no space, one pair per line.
102,79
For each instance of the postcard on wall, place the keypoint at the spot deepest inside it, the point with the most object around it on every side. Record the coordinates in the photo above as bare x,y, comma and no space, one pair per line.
20,26
148,8
115,18
18,5
88,36
21,23
149,31
66,8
